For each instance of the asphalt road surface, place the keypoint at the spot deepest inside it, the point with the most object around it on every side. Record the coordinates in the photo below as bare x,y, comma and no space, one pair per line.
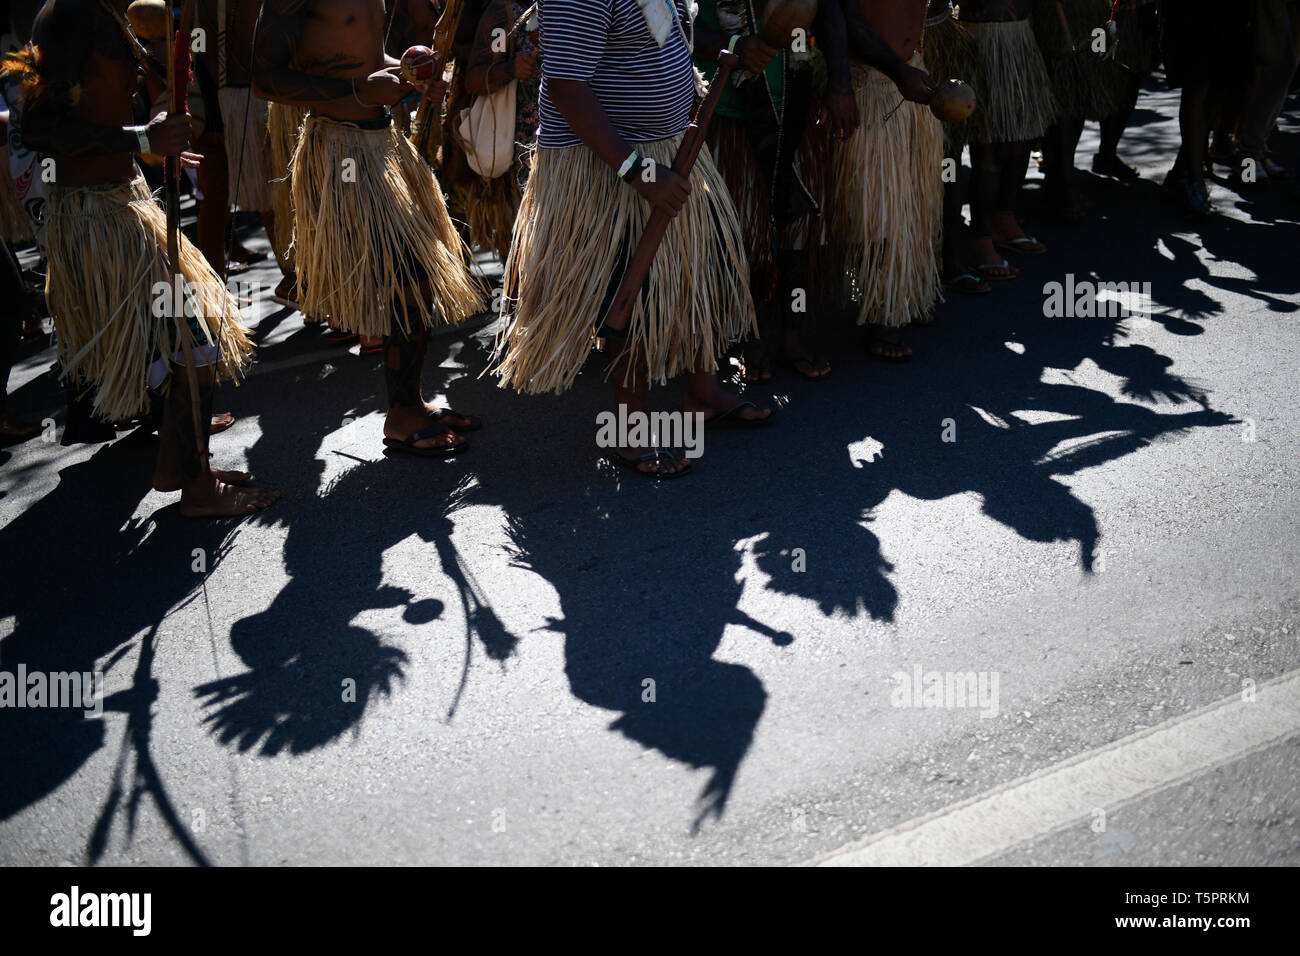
523,655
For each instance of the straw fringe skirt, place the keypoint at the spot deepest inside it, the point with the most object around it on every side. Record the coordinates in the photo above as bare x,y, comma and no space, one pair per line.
370,221
949,54
1084,83
490,209
107,252
886,218
1017,103
283,123
750,190
248,149
577,227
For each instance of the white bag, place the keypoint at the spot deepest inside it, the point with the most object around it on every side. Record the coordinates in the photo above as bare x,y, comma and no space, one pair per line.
487,132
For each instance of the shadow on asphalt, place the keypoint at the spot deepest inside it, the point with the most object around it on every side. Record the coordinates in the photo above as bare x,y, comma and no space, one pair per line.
624,555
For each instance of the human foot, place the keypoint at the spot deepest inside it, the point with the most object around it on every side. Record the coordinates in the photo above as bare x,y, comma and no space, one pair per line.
990,264
721,406
210,497
1109,164
658,463
409,430
452,418
886,343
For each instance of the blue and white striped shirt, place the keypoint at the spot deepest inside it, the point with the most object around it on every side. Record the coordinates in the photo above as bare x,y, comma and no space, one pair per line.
647,90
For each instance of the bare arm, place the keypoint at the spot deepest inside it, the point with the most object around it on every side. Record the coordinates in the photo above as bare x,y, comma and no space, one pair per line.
847,30
754,53
279,33
589,121
485,72
488,71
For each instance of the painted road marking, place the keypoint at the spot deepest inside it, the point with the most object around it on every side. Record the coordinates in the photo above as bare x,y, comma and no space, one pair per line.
1109,777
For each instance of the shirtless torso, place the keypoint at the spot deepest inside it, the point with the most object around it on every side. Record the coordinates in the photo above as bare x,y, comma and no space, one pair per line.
81,43
413,22
327,54
898,22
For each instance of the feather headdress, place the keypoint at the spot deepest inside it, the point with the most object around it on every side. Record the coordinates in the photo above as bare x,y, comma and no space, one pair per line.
24,66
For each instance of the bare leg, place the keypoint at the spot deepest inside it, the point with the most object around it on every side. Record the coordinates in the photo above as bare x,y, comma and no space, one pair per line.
204,494
214,210
986,175
629,390
408,412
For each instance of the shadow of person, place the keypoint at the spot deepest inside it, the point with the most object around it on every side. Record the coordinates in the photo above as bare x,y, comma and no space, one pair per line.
312,669
623,562
645,603
82,547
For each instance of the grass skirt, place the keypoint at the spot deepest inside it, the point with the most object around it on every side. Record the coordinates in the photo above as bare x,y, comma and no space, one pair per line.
107,251
490,209
1017,103
283,123
248,149
737,162
369,222
578,225
1084,83
886,217
950,54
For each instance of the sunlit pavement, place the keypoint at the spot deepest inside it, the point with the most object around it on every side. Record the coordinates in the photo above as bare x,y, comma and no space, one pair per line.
522,656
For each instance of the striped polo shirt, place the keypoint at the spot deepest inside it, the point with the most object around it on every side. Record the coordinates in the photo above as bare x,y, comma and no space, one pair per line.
647,90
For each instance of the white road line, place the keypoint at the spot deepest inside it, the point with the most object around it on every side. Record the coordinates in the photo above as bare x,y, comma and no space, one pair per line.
1129,769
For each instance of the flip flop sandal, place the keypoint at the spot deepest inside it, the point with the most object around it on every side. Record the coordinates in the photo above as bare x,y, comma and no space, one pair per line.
1025,245
220,422
984,272
649,457
968,284
407,445
237,268
372,349
731,418
341,336
475,423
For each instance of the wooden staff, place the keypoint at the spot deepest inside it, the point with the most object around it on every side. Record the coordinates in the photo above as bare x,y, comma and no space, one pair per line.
780,21
178,67
428,116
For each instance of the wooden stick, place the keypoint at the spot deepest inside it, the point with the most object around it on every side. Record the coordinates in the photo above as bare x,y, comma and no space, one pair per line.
177,105
428,115
638,266
781,18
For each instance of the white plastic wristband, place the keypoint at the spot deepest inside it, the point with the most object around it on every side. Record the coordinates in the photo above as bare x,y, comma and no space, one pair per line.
628,164
141,137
